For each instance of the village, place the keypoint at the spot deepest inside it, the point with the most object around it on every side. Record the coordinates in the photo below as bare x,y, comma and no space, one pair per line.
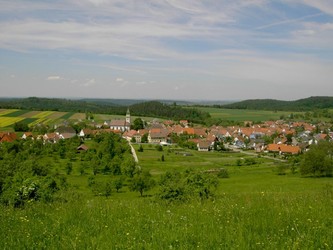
278,137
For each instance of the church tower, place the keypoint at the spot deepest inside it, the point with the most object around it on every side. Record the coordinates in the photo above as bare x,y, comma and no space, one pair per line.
128,117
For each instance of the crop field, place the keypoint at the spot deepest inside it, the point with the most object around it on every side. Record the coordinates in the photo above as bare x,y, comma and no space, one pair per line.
7,121
4,112
10,116
245,115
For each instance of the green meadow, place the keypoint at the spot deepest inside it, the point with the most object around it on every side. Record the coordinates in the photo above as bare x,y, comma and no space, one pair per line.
255,208
244,115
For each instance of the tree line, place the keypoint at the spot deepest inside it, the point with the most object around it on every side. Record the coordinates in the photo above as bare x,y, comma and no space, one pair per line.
306,104
151,108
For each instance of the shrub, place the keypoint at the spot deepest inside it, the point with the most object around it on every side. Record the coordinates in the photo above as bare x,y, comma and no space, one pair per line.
223,173
159,147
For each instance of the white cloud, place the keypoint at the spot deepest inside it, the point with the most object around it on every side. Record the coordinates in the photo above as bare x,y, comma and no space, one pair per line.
54,78
89,82
179,43
141,83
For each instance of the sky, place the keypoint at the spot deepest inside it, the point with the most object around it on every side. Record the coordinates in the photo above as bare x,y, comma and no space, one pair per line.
166,49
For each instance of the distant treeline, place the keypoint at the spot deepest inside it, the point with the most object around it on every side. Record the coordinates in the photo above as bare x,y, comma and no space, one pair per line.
307,104
151,108
174,112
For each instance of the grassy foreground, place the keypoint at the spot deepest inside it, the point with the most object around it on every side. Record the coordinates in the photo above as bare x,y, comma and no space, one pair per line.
244,221
253,209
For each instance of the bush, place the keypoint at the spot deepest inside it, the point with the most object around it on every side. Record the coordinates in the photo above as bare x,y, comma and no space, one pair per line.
159,147
140,149
318,160
223,173
193,185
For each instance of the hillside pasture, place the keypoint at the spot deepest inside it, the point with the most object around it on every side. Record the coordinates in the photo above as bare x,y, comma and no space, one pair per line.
244,114
75,116
253,209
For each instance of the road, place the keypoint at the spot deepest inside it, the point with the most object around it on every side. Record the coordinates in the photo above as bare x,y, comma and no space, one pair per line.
255,154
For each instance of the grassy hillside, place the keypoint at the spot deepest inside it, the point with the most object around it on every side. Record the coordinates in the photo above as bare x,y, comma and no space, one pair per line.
307,104
244,114
253,209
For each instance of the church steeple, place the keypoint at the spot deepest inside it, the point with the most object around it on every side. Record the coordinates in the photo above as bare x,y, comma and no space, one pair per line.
128,117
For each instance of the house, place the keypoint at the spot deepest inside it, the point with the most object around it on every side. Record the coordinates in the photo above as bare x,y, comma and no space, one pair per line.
138,136
188,131
27,135
51,137
201,132
204,146
82,147
158,135
184,123
86,132
7,137
122,124
321,137
283,149
128,135
168,123
65,132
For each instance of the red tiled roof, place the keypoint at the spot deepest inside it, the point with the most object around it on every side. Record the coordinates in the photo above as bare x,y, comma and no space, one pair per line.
8,137
283,148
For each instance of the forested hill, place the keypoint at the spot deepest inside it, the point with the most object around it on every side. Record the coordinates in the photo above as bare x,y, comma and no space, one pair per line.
57,104
151,108
158,109
307,104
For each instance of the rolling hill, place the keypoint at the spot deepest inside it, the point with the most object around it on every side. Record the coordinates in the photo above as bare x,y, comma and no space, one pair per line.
306,104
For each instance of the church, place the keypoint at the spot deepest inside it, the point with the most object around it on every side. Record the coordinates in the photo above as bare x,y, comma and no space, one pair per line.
122,124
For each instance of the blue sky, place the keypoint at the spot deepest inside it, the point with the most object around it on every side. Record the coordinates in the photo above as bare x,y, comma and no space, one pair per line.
171,49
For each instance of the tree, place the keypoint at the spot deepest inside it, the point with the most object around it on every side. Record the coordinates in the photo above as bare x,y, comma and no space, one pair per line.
144,138
142,182
108,188
128,167
69,168
201,185
140,149
118,183
172,187
318,161
138,124
21,127
289,138
159,147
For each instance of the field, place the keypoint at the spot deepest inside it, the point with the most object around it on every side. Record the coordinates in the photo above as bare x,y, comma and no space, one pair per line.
257,207
253,209
245,115
10,116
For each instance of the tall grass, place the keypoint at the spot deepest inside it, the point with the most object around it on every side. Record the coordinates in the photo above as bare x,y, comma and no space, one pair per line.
231,221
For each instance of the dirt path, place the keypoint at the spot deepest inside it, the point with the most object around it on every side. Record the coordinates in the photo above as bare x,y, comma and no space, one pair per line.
134,153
